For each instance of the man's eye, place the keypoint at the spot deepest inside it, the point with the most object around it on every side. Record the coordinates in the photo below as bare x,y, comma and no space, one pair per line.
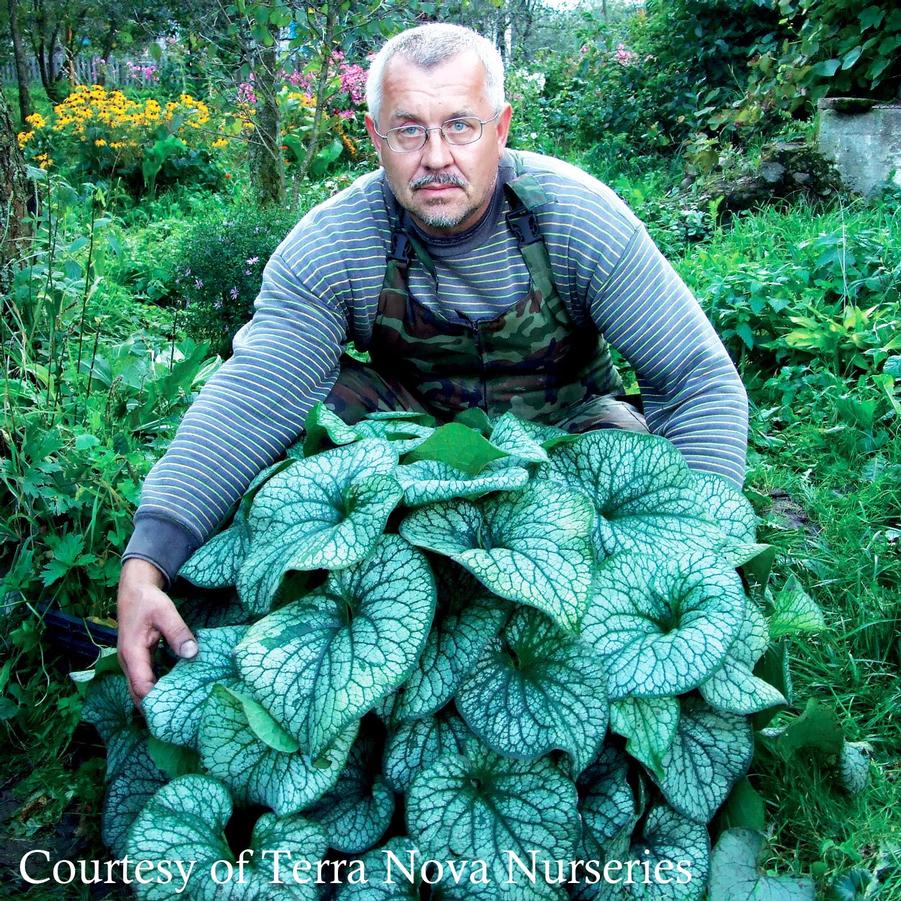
409,131
458,126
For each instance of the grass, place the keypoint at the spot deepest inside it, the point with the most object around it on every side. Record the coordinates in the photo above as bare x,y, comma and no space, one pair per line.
824,466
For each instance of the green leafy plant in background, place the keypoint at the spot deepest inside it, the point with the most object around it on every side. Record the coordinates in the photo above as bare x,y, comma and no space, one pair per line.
562,641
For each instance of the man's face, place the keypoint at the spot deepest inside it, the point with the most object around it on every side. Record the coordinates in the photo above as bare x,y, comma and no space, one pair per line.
446,188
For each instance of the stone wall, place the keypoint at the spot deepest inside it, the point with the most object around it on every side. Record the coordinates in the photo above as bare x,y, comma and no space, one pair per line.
863,139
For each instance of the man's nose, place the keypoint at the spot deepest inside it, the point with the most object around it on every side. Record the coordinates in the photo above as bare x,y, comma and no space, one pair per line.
436,153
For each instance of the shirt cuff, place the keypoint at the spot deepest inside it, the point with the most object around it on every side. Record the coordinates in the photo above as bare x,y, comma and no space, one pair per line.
162,542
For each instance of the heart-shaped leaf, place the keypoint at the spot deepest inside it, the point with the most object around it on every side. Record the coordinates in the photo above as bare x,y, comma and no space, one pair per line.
286,781
110,709
734,875
174,704
481,805
644,493
535,689
710,752
217,562
325,512
529,546
662,624
467,618
128,789
727,507
322,661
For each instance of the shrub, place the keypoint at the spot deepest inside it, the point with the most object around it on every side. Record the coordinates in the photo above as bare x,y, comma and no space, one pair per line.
143,141
457,632
220,265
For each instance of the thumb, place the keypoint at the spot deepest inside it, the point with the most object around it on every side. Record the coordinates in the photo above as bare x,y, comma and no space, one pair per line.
178,636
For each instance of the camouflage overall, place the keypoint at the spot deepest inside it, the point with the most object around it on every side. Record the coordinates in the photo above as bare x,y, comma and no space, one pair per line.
532,359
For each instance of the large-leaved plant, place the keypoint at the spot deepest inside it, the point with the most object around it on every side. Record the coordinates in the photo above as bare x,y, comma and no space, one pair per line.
486,642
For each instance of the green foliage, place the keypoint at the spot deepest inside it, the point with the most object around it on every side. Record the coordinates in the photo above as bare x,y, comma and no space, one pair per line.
83,418
219,264
566,594
842,48
219,268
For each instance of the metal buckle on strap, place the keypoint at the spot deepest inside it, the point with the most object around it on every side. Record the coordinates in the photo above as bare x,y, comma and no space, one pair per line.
524,225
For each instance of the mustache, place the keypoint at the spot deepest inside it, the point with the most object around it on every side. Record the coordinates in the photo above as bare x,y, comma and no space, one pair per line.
441,178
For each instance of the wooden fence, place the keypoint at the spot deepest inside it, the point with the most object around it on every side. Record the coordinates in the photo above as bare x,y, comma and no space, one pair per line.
118,72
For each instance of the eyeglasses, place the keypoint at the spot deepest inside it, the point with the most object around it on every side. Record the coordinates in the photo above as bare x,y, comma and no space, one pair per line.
410,138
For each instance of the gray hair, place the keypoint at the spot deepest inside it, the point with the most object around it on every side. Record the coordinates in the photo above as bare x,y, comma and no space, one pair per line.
430,45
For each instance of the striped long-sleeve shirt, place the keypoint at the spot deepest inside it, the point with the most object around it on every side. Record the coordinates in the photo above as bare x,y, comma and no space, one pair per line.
320,290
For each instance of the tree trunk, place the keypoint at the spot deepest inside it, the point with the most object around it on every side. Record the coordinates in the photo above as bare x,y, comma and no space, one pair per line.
14,228
267,169
325,55
21,68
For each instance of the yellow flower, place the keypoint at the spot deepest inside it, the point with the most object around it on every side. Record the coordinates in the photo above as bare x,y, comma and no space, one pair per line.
36,120
219,143
100,142
24,137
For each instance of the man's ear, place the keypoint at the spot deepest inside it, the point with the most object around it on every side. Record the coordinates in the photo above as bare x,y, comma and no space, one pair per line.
373,135
503,126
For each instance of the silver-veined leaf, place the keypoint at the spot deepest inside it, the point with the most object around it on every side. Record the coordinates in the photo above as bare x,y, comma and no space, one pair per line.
662,624
529,546
466,619
385,881
325,512
734,687
734,875
128,789
648,725
512,436
415,745
356,812
185,820
727,506
173,705
110,709
285,781
710,752
322,661
606,800
430,481
479,805
641,486
535,689
216,563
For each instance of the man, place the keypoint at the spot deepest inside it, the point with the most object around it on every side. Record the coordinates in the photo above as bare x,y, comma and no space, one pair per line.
474,276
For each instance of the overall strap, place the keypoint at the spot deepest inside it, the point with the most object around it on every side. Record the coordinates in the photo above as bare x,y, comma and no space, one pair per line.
525,195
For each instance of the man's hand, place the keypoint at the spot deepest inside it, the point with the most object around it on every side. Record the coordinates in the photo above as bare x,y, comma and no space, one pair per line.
145,615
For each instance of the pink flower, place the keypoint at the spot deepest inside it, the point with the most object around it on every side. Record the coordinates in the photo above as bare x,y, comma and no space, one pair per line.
624,56
346,113
252,261
233,294
246,93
